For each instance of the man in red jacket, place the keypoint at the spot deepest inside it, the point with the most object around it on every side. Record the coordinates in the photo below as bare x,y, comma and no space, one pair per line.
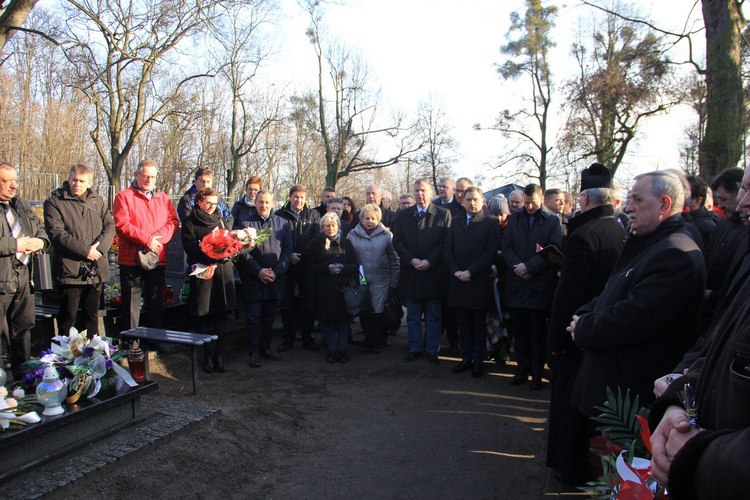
146,220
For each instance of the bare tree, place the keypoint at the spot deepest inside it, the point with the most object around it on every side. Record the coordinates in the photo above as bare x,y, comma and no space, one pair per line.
244,46
624,78
348,110
435,133
528,59
12,16
125,60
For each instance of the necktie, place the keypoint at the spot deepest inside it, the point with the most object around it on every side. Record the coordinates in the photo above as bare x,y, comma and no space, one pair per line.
15,231
468,220
421,213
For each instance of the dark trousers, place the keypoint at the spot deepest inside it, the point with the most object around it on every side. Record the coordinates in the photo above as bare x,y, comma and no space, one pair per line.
373,327
137,283
17,311
450,327
530,340
259,314
304,312
85,297
472,330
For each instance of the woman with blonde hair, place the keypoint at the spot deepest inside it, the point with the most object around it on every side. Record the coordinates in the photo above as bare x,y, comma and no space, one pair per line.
373,243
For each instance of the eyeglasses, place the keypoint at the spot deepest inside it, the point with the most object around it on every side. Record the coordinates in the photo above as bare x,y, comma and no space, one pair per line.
209,204
252,190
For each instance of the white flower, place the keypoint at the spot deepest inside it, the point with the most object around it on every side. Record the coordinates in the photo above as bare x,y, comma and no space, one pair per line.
19,393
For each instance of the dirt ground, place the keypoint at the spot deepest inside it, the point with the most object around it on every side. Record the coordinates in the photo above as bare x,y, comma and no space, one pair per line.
376,427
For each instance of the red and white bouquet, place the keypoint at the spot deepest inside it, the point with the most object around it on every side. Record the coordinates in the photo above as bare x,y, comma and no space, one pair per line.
224,244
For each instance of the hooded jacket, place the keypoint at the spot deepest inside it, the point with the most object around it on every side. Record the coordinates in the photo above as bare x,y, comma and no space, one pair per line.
73,225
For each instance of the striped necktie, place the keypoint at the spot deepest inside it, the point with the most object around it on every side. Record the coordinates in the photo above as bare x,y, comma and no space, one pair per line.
15,230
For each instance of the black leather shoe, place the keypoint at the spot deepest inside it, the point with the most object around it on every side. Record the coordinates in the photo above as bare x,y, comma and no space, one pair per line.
433,358
536,384
477,371
343,358
331,358
462,366
270,355
518,379
254,360
412,355
310,344
285,346
219,363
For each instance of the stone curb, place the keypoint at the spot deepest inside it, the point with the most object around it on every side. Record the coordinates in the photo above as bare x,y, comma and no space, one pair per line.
164,418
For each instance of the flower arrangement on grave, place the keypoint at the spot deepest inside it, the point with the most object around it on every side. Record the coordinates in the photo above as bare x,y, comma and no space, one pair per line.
88,365
625,450
223,244
114,248
17,410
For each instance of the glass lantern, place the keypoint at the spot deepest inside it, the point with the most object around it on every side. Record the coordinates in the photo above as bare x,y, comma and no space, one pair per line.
51,392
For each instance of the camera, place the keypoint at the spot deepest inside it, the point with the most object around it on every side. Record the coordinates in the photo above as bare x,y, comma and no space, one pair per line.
88,269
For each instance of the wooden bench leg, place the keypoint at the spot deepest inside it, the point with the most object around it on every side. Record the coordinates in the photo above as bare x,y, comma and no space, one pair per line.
194,356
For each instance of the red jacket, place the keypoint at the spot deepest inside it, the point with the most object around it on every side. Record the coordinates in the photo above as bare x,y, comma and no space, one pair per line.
138,219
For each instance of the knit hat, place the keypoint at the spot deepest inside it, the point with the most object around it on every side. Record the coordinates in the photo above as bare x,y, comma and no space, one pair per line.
596,176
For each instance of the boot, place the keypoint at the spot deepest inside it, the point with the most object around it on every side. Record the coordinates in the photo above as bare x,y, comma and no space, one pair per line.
219,356
208,357
343,358
331,358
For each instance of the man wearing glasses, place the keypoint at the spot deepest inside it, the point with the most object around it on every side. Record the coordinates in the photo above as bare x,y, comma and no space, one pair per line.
146,221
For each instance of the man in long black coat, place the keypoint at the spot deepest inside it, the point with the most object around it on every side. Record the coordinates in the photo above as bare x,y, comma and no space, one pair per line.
595,240
646,317
470,251
419,238
530,282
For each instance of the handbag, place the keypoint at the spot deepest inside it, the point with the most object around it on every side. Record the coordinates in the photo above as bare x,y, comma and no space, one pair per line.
146,259
41,276
393,312
357,298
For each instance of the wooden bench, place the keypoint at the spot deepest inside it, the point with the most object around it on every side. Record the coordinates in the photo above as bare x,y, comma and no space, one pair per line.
159,336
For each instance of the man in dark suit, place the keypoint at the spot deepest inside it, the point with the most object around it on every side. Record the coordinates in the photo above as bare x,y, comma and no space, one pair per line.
418,236
445,198
530,282
470,251
595,240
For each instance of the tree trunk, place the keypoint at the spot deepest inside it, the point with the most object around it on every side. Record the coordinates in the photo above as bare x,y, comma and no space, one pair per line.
13,16
721,147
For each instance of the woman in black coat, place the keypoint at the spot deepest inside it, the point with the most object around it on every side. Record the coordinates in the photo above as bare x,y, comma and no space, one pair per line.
332,261
210,299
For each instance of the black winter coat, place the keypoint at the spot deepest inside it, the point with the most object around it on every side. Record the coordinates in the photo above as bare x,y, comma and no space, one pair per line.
73,225
304,228
595,240
471,248
274,253
217,295
645,318
329,300
422,238
519,245
714,463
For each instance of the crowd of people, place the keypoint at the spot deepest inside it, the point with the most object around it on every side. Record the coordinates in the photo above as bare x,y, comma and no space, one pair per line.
646,293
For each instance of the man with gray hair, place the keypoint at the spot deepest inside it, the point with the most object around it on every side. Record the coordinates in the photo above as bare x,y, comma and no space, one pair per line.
647,314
